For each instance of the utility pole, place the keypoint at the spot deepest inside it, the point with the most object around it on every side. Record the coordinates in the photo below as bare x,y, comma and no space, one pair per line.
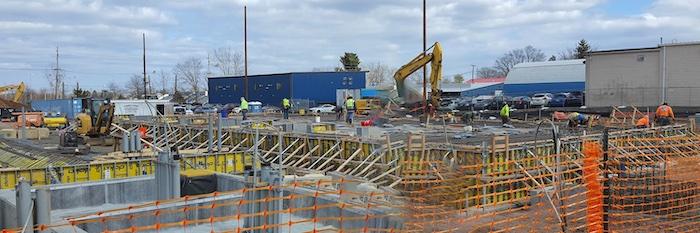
425,71
56,76
473,70
245,48
145,92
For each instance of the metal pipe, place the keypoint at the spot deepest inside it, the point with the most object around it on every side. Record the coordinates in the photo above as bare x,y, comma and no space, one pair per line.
24,123
175,173
210,138
24,203
132,144
43,207
125,142
218,134
137,141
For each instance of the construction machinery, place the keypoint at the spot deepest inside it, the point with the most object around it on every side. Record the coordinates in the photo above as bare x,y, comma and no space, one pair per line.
19,91
98,124
435,58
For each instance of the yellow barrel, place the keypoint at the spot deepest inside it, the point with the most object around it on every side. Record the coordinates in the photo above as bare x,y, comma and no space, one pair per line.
55,122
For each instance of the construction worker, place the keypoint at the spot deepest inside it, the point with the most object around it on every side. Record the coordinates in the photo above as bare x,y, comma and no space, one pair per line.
505,114
349,109
286,105
244,108
643,122
576,119
664,115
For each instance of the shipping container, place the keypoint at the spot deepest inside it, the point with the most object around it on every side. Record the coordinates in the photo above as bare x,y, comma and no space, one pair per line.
270,89
63,107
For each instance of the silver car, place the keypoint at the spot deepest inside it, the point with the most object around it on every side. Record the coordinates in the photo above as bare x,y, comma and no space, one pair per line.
541,99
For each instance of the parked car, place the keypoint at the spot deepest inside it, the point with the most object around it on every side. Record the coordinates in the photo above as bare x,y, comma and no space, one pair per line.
205,109
482,102
521,102
497,102
541,99
179,110
576,99
271,109
558,100
448,104
464,104
326,108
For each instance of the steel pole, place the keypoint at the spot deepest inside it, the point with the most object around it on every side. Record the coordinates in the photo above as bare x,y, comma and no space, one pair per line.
25,216
43,207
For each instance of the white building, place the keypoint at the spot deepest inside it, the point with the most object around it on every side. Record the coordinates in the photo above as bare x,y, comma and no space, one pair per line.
547,76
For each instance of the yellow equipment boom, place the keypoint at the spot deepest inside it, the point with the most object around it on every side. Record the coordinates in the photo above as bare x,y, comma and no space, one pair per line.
19,90
435,58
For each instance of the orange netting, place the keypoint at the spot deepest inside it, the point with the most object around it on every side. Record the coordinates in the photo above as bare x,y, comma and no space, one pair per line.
652,187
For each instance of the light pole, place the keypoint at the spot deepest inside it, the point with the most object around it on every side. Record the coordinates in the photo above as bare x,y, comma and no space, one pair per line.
473,70
245,47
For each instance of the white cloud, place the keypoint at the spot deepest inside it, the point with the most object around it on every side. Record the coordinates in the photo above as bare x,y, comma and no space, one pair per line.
298,35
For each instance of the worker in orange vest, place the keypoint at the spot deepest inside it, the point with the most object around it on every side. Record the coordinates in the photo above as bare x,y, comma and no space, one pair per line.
664,115
643,122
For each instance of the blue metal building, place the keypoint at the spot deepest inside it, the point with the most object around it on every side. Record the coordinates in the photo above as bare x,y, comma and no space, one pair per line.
270,89
549,76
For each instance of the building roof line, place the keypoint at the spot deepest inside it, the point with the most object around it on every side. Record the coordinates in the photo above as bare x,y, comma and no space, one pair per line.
286,73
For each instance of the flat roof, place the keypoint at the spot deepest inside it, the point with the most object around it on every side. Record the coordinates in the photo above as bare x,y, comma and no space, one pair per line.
630,50
287,73
551,63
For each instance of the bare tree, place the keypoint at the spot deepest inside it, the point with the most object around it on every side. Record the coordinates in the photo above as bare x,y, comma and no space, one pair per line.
135,85
567,54
54,82
228,61
164,81
528,54
191,72
114,91
379,74
487,72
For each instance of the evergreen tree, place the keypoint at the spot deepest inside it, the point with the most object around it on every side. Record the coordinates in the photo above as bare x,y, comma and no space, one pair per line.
350,62
582,49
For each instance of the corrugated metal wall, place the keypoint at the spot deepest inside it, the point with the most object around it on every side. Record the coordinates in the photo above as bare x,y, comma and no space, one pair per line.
66,107
225,90
319,87
322,86
269,89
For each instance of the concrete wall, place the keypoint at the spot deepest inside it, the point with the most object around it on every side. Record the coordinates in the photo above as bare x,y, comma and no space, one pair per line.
683,75
8,212
636,77
614,79
134,190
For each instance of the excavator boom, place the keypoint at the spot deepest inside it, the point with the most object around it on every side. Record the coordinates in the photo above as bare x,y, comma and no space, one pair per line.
435,58
19,90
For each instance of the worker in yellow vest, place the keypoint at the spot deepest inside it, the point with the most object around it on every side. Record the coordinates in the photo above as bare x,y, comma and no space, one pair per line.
350,109
286,105
244,108
505,114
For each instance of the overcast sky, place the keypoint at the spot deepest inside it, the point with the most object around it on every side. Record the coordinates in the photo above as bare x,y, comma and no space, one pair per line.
100,41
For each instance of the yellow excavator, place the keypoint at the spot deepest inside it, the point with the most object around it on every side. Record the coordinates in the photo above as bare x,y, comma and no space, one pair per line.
19,90
98,125
435,58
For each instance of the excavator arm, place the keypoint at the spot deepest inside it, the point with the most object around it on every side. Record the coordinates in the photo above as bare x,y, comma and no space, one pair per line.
435,58
19,90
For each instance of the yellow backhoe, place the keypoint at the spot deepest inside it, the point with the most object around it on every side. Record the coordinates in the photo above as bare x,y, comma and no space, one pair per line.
435,58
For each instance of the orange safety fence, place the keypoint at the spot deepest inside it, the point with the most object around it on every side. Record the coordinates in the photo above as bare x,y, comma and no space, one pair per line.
651,187
654,184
